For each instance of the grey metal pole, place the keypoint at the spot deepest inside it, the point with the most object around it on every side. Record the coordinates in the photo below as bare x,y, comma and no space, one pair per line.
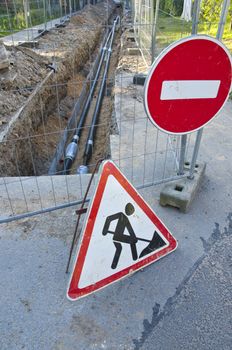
140,22
49,11
61,10
70,8
224,13
65,9
45,15
25,6
154,27
195,153
182,154
15,11
196,14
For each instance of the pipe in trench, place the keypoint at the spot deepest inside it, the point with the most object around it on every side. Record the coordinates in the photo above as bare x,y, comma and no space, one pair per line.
72,148
92,131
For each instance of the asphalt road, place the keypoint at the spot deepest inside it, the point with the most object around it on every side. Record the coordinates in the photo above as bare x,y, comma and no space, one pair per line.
199,315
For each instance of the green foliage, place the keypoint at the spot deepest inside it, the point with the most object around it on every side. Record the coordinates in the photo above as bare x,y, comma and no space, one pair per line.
16,21
8,23
172,7
210,10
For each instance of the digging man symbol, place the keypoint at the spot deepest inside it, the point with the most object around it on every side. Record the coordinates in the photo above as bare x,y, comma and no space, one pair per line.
120,237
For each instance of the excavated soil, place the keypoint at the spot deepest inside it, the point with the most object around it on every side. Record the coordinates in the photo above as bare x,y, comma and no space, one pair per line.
36,103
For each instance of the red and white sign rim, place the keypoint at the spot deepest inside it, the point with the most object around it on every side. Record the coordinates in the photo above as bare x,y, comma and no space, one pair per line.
88,230
158,60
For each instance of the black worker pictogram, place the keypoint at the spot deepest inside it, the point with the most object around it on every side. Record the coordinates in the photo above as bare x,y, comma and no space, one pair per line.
119,237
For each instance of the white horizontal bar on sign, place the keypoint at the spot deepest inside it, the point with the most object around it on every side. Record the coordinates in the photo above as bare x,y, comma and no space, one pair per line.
189,89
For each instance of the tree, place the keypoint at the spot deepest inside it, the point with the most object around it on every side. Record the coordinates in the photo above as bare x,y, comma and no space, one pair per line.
211,11
172,7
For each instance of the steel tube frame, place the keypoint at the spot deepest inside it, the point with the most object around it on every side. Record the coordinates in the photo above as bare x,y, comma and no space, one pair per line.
221,26
224,13
195,22
182,154
154,26
4,220
195,154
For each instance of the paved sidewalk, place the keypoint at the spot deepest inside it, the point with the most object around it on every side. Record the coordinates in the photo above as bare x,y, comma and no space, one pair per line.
32,33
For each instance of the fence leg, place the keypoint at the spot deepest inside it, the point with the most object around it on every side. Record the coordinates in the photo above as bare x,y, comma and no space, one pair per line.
224,12
182,154
45,15
70,8
196,14
195,154
184,137
154,27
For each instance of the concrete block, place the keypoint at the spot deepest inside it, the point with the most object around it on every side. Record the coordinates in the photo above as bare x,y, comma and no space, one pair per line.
133,51
180,193
139,79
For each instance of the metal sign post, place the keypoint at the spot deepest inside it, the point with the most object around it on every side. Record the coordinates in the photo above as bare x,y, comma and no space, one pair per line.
195,22
224,13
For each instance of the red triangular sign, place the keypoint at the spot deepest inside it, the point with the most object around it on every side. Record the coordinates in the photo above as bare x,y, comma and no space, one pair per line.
121,235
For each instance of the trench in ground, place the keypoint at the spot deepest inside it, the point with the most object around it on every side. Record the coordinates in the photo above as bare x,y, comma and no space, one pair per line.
32,144
45,145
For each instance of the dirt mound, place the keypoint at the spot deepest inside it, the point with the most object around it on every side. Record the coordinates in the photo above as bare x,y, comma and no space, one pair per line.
16,85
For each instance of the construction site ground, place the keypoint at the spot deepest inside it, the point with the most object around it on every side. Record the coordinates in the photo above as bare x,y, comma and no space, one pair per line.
72,52
183,301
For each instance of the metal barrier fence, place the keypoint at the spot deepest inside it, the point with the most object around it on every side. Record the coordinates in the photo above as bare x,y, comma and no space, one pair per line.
35,16
160,27
18,15
42,100
158,24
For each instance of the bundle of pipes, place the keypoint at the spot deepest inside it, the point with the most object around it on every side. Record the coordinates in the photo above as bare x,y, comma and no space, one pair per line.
72,148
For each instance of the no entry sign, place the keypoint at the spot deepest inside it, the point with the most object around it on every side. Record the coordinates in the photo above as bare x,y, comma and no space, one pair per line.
188,84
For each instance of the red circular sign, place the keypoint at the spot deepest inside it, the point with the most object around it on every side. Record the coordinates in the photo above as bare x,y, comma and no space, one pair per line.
188,84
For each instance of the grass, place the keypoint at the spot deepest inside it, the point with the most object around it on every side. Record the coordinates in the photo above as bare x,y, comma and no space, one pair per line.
171,29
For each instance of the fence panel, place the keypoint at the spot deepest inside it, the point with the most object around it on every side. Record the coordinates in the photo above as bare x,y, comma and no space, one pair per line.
44,91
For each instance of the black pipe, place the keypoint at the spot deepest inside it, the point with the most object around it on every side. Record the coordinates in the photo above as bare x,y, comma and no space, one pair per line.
71,155
89,144
84,112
